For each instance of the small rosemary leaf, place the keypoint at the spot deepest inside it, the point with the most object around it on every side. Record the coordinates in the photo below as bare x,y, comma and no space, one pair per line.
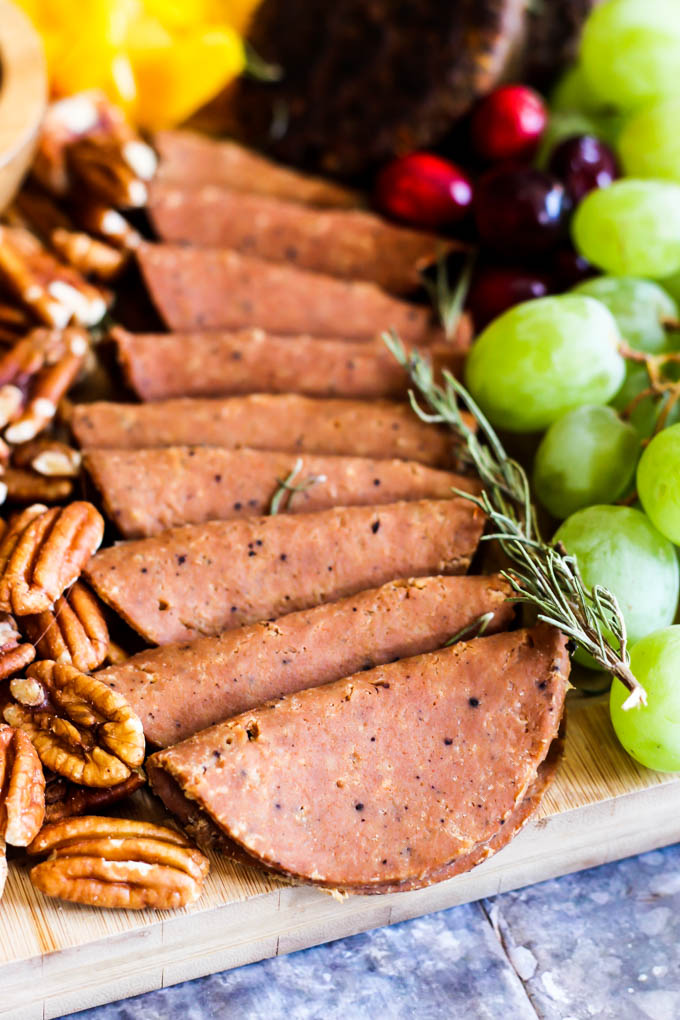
286,489
477,628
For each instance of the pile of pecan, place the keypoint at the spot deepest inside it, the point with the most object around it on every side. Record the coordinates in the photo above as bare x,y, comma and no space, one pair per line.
62,242
69,744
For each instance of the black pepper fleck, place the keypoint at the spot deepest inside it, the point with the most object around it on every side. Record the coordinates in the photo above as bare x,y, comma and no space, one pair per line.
473,702
448,741
375,526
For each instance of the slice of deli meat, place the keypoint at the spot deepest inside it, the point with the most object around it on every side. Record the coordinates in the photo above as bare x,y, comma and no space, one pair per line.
386,777
200,827
216,288
352,245
190,485
205,578
190,160
382,429
180,689
218,364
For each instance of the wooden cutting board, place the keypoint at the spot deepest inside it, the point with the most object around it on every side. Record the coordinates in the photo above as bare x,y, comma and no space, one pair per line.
57,957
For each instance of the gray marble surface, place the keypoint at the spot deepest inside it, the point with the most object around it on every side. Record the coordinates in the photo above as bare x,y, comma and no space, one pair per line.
603,944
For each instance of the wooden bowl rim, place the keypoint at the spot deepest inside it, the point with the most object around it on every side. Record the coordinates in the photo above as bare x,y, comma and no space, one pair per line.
23,82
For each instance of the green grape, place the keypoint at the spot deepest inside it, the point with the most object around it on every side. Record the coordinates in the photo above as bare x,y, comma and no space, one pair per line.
575,111
672,286
573,92
588,456
631,228
630,51
543,358
649,145
658,482
651,733
639,307
619,548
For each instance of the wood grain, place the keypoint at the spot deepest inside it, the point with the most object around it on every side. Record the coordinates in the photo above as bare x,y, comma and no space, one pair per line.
57,957
23,95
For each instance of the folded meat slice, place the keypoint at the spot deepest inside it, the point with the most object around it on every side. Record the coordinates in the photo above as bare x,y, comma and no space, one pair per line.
217,288
388,777
180,689
191,160
205,578
352,245
204,831
221,364
382,429
193,484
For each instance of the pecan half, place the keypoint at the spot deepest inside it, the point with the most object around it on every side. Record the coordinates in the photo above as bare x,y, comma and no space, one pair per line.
66,121
87,254
15,655
74,631
22,788
98,218
47,556
48,457
28,486
112,862
35,373
54,292
99,165
81,729
65,800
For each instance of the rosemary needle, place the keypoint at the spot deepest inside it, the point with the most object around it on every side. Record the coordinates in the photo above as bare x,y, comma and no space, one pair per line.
286,488
542,575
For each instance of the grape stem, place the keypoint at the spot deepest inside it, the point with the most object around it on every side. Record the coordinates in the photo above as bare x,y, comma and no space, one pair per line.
542,575
665,391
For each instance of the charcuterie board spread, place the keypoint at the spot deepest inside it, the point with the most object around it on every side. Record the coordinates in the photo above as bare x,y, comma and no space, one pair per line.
283,652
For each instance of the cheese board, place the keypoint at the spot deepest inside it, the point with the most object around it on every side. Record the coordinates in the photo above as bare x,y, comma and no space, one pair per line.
59,957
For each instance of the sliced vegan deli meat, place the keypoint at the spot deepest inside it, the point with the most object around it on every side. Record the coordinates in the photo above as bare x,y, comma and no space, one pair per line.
216,288
191,159
205,578
180,689
382,429
389,776
352,245
218,364
201,828
190,485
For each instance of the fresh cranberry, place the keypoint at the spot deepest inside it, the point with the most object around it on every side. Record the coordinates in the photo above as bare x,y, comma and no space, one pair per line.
570,268
497,288
520,210
423,189
508,123
584,163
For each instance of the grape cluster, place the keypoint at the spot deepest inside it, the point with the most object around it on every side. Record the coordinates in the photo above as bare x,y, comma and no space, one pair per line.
583,196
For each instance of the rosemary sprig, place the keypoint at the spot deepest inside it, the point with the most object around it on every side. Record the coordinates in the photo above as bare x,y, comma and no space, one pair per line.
286,488
542,575
448,300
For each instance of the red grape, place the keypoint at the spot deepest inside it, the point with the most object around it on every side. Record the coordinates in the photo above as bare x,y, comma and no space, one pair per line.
520,210
423,189
583,163
494,289
508,123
